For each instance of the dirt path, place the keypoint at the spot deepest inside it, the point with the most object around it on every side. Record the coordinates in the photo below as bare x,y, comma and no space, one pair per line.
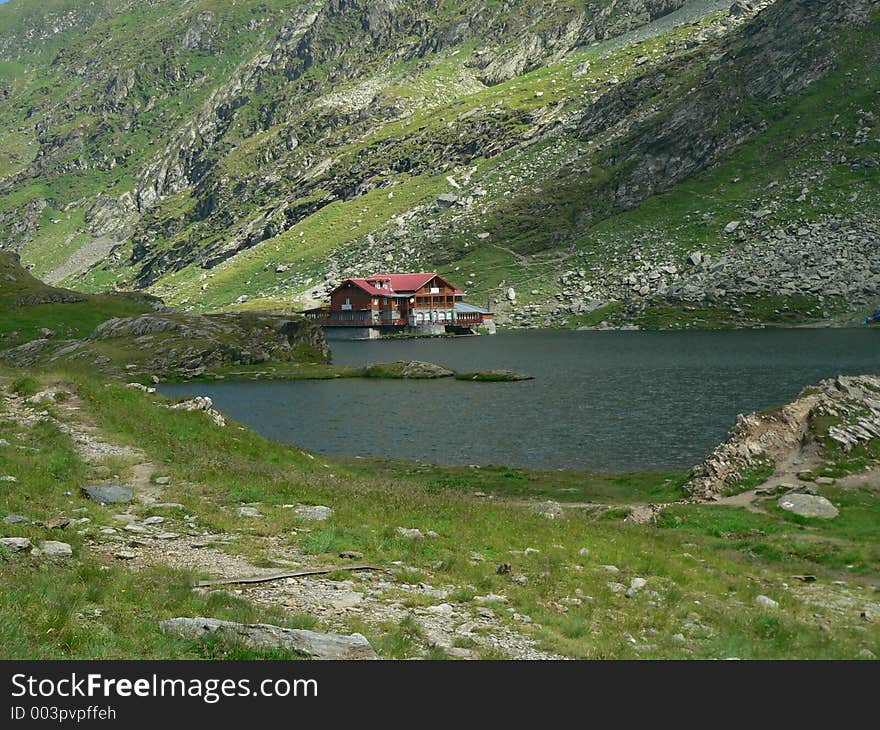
151,532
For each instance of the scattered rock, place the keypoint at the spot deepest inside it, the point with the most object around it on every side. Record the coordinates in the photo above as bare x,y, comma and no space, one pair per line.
15,544
124,555
15,520
54,549
442,609
108,494
310,643
765,602
410,533
202,403
313,512
550,510
8,478
248,512
808,505
162,481
154,520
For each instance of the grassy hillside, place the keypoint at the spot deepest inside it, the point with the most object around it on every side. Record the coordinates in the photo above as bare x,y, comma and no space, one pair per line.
32,310
262,151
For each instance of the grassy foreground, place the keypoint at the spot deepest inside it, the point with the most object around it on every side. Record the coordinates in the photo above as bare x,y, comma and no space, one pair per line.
704,565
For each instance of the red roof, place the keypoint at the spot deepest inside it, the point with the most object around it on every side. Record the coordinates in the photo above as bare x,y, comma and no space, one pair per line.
405,282
397,284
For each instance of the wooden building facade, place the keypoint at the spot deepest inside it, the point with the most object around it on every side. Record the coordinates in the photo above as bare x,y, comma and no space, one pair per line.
420,303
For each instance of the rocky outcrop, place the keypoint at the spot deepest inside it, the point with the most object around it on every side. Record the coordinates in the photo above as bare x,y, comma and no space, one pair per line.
266,636
175,343
853,404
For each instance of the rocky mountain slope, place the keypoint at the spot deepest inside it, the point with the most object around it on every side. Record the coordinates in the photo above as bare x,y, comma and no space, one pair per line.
663,162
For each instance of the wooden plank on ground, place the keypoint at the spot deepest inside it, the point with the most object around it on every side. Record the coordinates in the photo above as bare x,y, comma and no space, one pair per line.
281,576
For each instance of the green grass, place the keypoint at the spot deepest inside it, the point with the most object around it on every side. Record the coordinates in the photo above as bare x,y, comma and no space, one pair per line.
223,467
503,481
754,475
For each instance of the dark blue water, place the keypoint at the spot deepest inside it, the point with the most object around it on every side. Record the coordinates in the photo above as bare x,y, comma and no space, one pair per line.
600,400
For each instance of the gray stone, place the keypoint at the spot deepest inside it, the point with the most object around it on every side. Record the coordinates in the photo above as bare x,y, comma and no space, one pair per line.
108,494
808,505
162,481
55,549
410,533
731,227
444,200
15,520
15,544
248,512
154,520
311,643
550,510
765,602
313,512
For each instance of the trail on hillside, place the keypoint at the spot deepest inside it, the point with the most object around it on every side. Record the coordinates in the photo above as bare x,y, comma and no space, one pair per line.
372,596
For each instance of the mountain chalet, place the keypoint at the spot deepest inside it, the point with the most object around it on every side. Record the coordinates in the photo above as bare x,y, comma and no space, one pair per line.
423,303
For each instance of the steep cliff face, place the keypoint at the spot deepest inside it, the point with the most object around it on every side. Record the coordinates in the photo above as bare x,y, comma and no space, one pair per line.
259,151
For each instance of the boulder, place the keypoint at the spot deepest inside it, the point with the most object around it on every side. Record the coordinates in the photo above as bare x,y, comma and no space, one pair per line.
311,643
248,512
765,602
808,505
313,512
108,494
550,510
15,544
55,549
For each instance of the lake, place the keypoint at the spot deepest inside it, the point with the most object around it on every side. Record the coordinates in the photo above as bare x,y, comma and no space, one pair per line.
609,401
